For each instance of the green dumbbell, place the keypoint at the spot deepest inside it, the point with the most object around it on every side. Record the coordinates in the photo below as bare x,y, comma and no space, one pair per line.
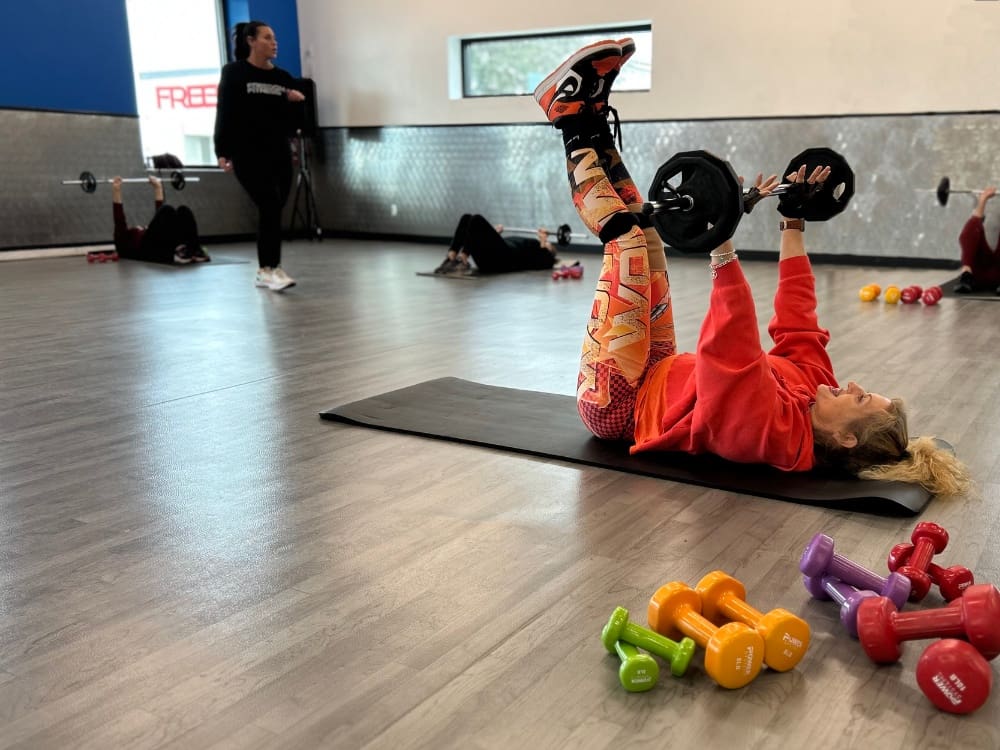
638,672
620,629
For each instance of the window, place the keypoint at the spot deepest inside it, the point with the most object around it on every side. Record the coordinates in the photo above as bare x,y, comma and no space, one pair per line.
515,65
178,49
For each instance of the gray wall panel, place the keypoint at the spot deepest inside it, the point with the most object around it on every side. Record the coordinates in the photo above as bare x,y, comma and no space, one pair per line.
515,174
418,180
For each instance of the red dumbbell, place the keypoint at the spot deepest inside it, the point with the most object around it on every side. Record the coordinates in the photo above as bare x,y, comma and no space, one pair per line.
881,627
910,295
574,271
932,295
928,540
951,582
954,676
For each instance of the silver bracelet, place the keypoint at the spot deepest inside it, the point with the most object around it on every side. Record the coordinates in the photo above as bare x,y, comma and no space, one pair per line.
729,258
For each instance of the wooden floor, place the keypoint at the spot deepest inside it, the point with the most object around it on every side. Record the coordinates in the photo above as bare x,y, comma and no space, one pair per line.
191,558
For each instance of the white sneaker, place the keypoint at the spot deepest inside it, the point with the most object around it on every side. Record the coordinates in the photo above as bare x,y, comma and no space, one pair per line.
281,280
265,278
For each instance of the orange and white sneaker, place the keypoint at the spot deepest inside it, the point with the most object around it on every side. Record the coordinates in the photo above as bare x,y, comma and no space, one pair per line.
581,84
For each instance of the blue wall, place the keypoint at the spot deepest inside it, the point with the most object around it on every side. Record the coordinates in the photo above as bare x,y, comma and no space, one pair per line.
68,55
74,55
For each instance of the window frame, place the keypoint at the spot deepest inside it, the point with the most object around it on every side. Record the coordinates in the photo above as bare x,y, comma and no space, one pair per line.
616,30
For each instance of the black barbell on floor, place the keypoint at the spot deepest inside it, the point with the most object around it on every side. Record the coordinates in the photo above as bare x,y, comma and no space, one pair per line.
564,234
88,183
944,190
696,200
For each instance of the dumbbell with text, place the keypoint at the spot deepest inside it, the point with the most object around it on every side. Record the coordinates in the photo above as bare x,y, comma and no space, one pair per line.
819,559
734,652
954,676
677,653
951,581
786,637
974,617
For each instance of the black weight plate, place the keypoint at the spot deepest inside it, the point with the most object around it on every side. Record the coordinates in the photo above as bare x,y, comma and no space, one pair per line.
88,183
838,188
943,191
717,199
564,234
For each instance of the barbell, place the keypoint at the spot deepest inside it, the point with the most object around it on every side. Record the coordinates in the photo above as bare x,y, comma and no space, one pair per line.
944,189
564,234
696,200
88,183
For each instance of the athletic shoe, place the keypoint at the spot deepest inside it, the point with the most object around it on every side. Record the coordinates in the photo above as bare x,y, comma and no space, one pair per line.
265,278
281,280
198,255
628,49
964,285
181,256
447,266
580,84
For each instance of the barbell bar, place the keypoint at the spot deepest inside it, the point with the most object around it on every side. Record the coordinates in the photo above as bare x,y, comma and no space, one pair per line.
944,190
696,200
564,234
88,183
182,170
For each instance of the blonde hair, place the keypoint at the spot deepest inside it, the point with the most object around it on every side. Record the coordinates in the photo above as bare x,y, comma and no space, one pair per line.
884,451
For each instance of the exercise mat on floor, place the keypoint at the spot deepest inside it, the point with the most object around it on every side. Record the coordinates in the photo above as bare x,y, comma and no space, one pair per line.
471,275
548,425
948,290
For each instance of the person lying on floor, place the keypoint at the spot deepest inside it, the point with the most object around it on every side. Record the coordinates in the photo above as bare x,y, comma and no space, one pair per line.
171,236
475,237
783,407
980,259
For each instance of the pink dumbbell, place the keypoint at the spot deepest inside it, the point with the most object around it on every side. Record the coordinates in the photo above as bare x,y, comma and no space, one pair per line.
848,597
951,582
974,617
819,560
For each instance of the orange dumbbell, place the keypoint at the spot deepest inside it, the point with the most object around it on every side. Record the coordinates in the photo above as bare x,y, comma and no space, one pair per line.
786,637
734,652
891,294
869,292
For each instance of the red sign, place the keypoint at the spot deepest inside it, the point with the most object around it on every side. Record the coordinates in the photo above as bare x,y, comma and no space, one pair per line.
195,96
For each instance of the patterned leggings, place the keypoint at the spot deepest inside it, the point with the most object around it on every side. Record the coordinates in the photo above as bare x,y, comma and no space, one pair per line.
631,323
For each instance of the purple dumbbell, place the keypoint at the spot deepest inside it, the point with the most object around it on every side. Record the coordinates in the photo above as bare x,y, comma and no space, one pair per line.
819,560
848,597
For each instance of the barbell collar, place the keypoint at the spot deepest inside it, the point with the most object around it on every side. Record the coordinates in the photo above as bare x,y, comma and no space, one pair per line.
680,203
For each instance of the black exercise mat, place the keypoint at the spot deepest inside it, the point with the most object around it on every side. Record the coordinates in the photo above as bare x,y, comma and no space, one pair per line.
217,260
547,424
948,290
471,275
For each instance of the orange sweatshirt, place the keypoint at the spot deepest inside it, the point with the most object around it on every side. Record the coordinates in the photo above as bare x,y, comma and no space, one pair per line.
732,398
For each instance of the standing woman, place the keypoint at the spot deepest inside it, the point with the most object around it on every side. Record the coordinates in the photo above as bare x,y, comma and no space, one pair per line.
254,120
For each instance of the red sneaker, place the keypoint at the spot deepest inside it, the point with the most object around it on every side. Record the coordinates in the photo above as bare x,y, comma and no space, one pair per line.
582,83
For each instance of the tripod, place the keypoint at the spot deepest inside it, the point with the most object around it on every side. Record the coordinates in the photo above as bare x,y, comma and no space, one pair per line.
303,189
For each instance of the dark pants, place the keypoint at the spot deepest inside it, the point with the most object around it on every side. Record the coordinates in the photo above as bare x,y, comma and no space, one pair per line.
266,175
495,254
170,228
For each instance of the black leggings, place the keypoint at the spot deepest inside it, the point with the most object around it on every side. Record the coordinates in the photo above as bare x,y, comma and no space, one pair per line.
267,178
494,254
169,228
